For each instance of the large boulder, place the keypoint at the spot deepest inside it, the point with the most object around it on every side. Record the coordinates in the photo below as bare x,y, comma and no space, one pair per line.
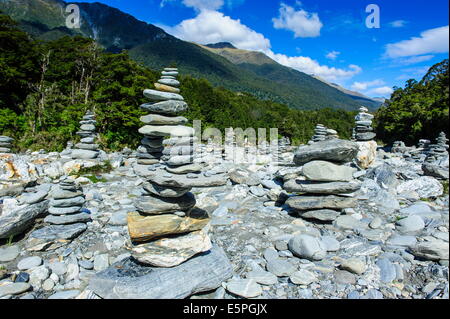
367,153
422,187
128,279
335,150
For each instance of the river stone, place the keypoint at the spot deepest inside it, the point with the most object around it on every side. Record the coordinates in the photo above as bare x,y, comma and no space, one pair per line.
156,205
243,176
127,279
89,147
67,294
166,107
68,202
437,171
87,127
180,141
431,250
64,210
166,130
68,219
246,288
186,169
152,142
422,187
14,288
308,247
320,202
308,187
280,267
354,265
322,171
20,220
84,154
172,251
178,150
169,82
157,96
171,192
8,253
303,277
59,193
155,119
142,229
262,277
334,150
180,160
29,262
387,270
33,198
166,88
410,224
344,277
325,215
349,222
56,232
170,73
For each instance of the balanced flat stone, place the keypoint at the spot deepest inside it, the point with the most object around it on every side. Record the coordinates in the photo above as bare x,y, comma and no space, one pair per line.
166,88
156,96
321,202
142,229
308,187
161,178
59,232
169,82
167,130
68,219
166,107
169,73
155,119
152,142
166,191
129,279
155,205
334,150
322,171
68,202
180,141
20,220
178,150
324,215
180,160
64,210
84,154
89,147
172,251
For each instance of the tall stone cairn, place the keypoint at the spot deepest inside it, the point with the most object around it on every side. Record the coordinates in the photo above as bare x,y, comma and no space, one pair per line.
438,150
363,130
86,149
320,134
167,230
5,144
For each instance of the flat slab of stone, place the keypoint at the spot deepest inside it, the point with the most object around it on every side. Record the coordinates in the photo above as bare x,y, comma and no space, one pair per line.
154,95
59,232
143,228
431,250
172,251
167,130
335,150
323,171
308,187
84,154
18,221
15,288
324,215
155,205
68,219
128,279
170,192
166,107
170,82
166,88
321,202
246,288
155,119
8,253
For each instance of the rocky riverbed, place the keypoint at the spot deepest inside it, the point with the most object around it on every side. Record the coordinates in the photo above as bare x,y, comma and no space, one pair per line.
378,232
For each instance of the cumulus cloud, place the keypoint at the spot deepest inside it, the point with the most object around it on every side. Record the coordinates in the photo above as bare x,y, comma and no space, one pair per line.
332,55
301,22
213,26
204,4
384,91
430,41
363,86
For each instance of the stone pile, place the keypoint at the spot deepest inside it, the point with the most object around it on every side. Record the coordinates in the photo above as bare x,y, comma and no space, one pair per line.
439,149
320,134
86,149
363,130
326,185
67,219
399,147
436,163
332,134
424,144
5,144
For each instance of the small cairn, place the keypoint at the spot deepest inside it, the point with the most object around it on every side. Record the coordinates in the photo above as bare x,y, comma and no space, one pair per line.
86,149
363,130
331,134
167,230
399,147
424,144
6,144
436,162
320,134
439,150
67,218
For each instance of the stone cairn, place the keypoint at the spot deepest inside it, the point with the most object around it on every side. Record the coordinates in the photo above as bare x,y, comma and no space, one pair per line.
86,149
167,230
66,218
438,150
6,144
326,185
399,147
320,134
363,130
67,204
332,134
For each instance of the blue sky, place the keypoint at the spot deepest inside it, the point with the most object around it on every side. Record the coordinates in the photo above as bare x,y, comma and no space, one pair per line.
327,38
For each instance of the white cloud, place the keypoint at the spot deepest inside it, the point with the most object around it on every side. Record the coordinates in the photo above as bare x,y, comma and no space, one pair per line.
430,41
398,23
363,86
212,27
332,55
302,23
201,5
312,67
384,91
415,59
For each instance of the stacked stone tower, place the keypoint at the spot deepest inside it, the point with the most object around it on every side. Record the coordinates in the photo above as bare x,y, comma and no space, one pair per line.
363,130
320,133
167,230
86,149
6,144
438,150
